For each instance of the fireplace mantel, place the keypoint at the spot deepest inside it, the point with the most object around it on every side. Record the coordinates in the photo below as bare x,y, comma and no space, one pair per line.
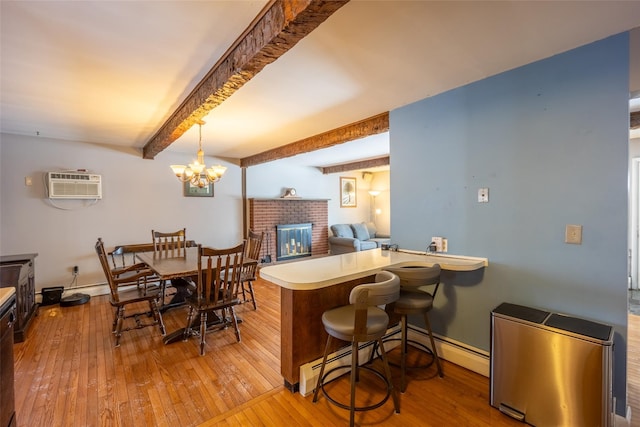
289,199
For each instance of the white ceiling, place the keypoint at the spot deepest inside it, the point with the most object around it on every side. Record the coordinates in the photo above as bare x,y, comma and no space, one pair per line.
112,72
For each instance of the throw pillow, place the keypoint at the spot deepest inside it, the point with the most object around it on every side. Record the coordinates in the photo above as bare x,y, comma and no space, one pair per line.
360,231
371,227
341,230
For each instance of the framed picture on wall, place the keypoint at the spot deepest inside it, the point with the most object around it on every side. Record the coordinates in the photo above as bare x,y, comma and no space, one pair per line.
348,192
191,190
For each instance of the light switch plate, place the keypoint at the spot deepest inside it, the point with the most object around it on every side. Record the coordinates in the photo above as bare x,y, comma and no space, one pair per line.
573,234
483,195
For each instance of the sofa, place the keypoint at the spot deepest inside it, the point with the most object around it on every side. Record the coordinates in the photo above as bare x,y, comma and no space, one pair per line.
355,237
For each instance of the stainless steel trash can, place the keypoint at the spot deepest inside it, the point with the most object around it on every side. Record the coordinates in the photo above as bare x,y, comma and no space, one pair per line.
549,369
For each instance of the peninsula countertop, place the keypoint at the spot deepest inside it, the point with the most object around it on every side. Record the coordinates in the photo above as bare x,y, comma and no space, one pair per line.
6,293
326,271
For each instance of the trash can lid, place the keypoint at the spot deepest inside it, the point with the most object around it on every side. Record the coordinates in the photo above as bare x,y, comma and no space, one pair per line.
529,314
580,326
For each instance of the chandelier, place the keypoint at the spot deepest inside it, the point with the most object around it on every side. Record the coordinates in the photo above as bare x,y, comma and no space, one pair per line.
197,173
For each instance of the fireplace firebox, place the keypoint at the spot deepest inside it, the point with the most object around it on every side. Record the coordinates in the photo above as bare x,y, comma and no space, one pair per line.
293,241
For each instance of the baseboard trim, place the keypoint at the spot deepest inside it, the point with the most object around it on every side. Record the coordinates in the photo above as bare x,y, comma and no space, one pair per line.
453,351
450,350
620,421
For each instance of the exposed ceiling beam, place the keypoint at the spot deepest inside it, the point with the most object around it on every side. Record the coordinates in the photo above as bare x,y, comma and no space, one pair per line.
634,121
363,164
371,126
279,27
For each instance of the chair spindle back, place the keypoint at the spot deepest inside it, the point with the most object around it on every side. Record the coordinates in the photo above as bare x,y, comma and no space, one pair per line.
171,244
219,274
104,262
252,251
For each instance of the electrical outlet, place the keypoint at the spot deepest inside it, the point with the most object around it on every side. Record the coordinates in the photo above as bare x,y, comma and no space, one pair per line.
75,270
438,242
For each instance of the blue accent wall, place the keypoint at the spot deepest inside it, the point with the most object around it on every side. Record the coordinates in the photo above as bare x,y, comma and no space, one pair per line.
550,140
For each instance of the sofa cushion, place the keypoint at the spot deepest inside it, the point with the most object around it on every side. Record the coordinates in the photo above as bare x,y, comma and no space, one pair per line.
360,231
341,230
365,245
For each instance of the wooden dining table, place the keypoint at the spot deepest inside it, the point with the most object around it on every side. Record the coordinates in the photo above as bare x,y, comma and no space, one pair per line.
176,265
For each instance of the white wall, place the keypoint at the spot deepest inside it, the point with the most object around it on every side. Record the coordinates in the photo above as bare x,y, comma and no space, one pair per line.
138,196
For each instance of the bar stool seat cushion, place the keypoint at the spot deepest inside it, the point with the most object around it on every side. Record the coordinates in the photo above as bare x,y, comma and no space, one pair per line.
339,322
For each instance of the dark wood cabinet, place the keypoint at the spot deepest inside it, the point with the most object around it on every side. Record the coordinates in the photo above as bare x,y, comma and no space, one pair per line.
19,271
7,395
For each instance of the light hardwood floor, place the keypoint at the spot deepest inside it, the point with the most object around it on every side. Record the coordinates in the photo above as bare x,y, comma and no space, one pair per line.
633,368
69,374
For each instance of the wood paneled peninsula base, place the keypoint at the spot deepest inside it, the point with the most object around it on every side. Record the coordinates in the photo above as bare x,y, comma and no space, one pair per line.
310,287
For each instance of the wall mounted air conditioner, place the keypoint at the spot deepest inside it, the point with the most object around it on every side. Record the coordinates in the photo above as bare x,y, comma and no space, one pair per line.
74,185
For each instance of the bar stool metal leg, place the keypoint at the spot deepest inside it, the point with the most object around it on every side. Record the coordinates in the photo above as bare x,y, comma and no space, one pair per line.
433,344
387,370
321,374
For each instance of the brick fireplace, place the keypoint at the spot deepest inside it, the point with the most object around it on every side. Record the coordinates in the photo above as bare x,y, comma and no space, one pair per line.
266,214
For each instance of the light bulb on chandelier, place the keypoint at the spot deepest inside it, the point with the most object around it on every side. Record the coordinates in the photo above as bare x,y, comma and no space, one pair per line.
197,172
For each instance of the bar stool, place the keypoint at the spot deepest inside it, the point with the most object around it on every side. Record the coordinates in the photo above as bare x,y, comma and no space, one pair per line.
415,300
361,321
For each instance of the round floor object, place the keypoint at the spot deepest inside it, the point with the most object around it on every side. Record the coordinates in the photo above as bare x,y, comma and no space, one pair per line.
74,299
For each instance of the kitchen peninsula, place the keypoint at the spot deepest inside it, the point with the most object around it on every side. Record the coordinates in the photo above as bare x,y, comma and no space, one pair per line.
310,287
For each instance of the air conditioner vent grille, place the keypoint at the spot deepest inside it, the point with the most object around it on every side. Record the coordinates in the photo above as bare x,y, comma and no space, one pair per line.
63,185
72,176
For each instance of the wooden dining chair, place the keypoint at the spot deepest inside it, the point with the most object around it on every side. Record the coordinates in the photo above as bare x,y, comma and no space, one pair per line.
123,260
169,244
121,297
183,286
250,269
219,275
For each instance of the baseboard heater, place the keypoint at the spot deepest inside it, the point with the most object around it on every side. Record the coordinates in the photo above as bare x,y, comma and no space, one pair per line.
448,349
